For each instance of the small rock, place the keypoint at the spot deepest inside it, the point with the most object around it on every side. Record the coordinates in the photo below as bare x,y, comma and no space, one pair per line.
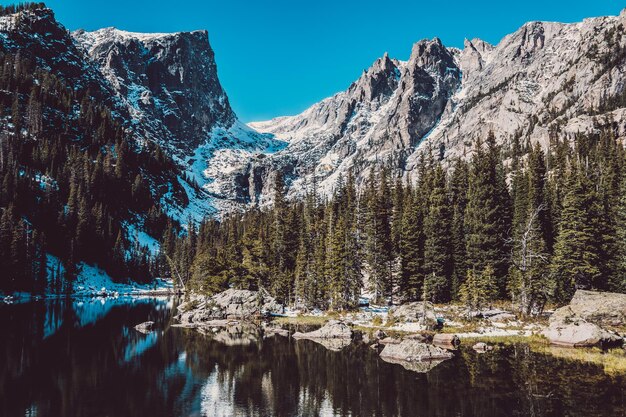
379,334
482,347
145,327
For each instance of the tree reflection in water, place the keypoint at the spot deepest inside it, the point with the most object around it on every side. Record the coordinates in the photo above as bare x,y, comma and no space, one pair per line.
59,364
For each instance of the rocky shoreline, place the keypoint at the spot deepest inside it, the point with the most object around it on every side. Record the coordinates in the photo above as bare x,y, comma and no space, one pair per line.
592,319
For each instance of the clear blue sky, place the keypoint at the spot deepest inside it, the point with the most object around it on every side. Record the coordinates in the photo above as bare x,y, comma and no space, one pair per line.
277,57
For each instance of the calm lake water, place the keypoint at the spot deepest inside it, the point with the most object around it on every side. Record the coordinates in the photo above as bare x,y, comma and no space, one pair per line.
84,358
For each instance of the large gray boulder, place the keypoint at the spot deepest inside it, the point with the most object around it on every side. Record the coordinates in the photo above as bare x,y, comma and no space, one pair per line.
334,335
606,309
580,333
414,355
582,323
416,312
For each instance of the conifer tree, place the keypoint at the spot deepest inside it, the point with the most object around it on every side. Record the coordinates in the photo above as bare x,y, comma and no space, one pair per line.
576,251
438,267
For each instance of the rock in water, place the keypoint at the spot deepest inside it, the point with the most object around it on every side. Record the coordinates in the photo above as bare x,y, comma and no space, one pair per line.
145,327
415,356
334,335
334,329
412,350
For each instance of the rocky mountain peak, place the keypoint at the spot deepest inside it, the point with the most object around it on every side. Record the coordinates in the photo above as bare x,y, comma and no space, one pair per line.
377,82
168,81
431,55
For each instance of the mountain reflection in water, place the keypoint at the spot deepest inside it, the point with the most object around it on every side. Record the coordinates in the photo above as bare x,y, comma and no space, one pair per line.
84,358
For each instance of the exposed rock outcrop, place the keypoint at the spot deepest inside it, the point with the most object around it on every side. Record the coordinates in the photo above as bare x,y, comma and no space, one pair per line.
582,322
229,304
542,78
421,312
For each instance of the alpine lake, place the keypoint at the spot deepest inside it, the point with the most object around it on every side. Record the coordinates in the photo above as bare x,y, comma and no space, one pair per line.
83,357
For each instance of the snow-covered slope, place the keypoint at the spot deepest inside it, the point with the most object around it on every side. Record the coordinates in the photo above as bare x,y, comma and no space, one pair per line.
169,84
543,78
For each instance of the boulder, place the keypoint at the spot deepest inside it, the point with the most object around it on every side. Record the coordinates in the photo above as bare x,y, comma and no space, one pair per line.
413,351
145,327
580,333
334,335
605,309
482,347
334,329
421,312
229,304
582,322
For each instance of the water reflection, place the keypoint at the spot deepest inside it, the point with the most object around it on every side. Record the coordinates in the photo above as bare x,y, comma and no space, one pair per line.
66,359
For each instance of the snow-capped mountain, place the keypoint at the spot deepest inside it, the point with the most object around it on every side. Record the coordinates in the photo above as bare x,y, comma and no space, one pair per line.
164,88
543,78
169,85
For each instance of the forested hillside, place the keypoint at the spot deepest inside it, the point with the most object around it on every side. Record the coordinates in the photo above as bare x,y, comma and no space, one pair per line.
532,230
70,176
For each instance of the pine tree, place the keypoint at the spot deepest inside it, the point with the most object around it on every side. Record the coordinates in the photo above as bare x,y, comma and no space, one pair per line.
438,267
479,289
576,251
487,217
458,192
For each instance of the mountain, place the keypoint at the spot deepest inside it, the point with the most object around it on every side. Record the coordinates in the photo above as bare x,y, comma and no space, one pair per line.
76,186
169,86
543,79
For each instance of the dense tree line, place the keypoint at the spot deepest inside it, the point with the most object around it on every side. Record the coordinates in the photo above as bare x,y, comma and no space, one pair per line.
69,177
531,230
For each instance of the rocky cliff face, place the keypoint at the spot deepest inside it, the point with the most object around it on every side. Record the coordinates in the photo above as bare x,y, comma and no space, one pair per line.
169,85
168,82
543,79
379,118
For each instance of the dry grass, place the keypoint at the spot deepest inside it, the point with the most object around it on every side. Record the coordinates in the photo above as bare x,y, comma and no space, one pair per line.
613,361
309,320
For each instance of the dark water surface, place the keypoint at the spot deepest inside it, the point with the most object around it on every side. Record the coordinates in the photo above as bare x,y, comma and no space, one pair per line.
84,358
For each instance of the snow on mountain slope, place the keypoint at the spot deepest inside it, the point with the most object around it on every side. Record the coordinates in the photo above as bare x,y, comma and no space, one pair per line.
379,118
542,79
170,86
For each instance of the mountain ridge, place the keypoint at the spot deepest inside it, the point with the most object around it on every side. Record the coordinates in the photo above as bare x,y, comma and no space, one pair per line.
525,87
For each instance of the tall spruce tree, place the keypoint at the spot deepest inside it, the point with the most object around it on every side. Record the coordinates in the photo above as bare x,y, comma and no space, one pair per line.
438,247
577,248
